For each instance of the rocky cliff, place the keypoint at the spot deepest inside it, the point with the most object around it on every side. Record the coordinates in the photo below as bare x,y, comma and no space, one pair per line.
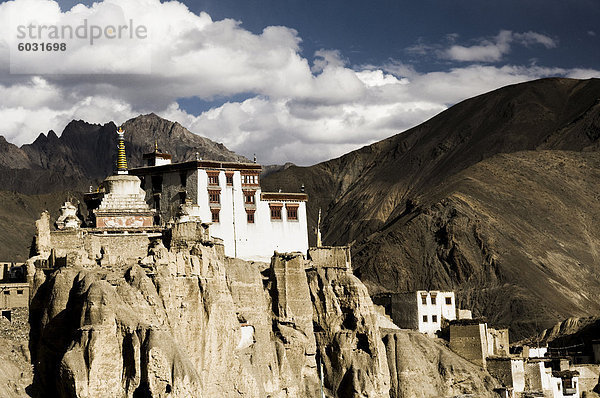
186,321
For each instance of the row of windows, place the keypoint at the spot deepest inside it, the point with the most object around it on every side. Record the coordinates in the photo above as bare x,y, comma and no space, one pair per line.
215,197
7,292
434,318
247,179
215,216
433,300
292,214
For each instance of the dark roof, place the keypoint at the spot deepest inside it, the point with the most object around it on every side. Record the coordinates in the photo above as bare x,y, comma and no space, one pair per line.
565,374
196,164
302,197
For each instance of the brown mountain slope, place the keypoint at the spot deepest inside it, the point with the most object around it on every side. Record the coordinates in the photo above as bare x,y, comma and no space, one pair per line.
517,236
419,219
383,176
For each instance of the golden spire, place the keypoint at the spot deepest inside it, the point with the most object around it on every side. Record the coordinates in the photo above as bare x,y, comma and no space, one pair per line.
156,146
121,156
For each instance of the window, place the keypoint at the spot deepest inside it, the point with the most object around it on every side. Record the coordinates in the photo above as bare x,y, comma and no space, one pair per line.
213,179
275,212
249,198
434,318
229,178
292,212
448,300
425,318
249,179
424,299
7,292
215,215
433,300
183,178
20,291
250,217
156,184
214,196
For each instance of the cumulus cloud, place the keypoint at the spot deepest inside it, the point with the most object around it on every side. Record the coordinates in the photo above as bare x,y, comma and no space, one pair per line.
492,50
295,109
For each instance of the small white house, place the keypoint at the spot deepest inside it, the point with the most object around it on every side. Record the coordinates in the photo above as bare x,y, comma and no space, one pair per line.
420,310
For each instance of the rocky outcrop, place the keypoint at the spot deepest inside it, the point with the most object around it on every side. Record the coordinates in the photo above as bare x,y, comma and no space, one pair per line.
422,367
185,321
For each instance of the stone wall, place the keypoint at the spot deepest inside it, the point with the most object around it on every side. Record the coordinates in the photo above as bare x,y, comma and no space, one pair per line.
469,341
14,295
498,344
330,256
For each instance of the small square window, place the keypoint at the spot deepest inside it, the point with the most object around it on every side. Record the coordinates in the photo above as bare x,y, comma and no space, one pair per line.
448,300
249,197
424,318
215,216
7,292
250,218
434,318
424,299
433,300
20,291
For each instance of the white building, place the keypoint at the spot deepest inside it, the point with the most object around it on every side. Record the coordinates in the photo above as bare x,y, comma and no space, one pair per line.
420,310
252,224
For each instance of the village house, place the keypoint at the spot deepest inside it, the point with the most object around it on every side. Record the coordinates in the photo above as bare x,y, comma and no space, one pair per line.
14,290
420,310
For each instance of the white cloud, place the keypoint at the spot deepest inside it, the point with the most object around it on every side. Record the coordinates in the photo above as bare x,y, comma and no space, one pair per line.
493,50
296,109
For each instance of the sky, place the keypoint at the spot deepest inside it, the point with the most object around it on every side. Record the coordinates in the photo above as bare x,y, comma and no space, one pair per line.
297,81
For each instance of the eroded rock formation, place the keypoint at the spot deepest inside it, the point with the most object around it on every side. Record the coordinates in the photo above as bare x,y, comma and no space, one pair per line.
185,321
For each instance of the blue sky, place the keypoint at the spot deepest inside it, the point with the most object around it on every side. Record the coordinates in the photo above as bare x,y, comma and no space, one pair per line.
299,81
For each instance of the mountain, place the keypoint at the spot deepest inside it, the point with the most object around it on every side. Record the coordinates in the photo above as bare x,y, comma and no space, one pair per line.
85,153
495,198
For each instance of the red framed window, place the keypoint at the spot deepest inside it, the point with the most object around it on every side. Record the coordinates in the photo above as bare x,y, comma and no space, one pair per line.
214,196
249,198
215,215
213,178
249,179
275,212
229,178
292,212
250,217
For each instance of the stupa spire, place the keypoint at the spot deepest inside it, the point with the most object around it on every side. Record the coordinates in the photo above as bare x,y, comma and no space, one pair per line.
121,156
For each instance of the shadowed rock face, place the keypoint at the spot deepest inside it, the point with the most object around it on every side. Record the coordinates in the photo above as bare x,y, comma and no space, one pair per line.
482,198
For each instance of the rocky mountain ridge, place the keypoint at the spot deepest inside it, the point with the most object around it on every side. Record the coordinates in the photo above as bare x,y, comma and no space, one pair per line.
86,152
